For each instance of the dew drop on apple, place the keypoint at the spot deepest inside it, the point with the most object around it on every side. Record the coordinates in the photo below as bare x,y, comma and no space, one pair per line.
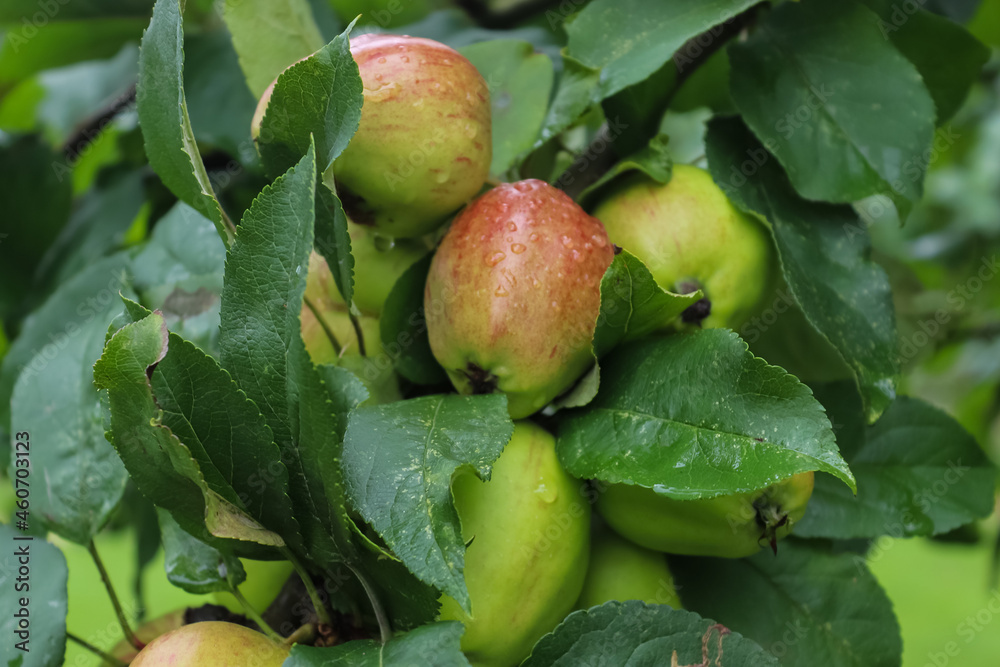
547,494
383,243
501,291
512,226
496,258
533,237
518,248
567,241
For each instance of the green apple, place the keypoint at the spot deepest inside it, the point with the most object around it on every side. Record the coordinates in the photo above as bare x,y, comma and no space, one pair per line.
690,236
620,570
528,534
263,583
424,145
212,644
513,294
379,261
730,526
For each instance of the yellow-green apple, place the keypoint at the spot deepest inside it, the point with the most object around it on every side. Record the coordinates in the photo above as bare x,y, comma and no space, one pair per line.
212,644
690,236
528,534
731,526
621,570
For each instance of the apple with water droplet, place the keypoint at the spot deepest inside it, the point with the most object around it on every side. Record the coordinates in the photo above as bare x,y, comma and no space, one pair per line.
690,236
513,294
424,145
212,644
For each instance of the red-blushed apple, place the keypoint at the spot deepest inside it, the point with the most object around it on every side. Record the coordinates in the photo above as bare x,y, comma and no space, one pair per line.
212,644
690,236
424,145
513,294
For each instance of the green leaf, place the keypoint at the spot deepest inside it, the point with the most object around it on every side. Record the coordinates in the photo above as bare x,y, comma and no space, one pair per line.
163,115
652,160
434,645
179,272
696,416
98,226
14,11
947,56
194,566
318,99
633,305
270,35
577,90
226,434
36,200
805,605
628,40
160,465
333,241
825,259
78,478
89,296
47,601
404,328
262,348
842,110
219,103
28,48
520,83
919,473
636,633
398,463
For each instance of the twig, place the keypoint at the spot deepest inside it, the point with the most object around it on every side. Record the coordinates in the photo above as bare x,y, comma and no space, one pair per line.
91,128
385,629
599,156
253,615
321,611
106,657
356,323
509,18
337,347
129,635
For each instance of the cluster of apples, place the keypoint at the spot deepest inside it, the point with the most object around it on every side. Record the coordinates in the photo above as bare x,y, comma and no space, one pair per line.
512,300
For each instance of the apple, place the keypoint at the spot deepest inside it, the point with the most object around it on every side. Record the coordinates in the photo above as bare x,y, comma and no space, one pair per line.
690,236
212,644
513,294
528,532
731,526
424,145
620,570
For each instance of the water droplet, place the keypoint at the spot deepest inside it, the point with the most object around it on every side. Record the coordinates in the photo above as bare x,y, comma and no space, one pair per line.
566,241
378,77
533,237
547,494
599,240
521,186
577,257
512,226
381,61
518,248
471,131
535,283
496,258
442,177
501,291
405,59
446,61
509,239
383,243
588,246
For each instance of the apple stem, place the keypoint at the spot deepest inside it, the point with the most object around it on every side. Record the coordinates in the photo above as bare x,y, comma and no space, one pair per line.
129,635
106,657
252,614
323,325
304,635
321,612
385,629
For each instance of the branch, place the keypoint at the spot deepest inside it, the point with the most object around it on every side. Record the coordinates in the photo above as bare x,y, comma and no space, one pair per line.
600,155
485,17
88,131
